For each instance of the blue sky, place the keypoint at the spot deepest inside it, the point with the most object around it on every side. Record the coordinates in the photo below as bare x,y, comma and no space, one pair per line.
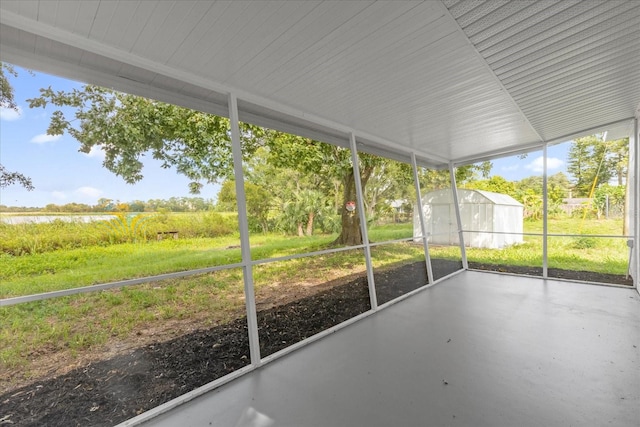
59,172
62,175
513,168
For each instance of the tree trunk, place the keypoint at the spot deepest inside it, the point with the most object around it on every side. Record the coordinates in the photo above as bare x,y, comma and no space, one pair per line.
310,224
351,234
300,232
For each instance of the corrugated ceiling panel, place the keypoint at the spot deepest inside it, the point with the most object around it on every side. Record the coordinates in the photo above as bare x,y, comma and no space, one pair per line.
78,17
43,54
489,14
529,34
288,51
536,12
257,33
571,69
484,77
102,20
299,51
378,56
585,34
231,46
122,23
218,28
567,56
85,17
27,8
568,65
47,11
157,29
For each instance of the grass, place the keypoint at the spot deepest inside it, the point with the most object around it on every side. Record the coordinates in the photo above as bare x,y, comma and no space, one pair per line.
596,254
71,268
71,326
34,238
23,275
76,324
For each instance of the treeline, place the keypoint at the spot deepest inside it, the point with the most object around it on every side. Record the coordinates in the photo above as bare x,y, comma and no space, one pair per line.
173,204
606,199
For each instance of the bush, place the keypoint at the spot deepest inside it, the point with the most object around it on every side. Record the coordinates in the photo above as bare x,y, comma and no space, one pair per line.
193,225
330,224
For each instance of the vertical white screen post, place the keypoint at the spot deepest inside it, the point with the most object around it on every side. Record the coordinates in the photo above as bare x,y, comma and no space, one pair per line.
423,223
456,205
545,213
363,222
243,224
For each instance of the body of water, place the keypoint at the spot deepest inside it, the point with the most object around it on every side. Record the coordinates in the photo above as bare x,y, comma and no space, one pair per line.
38,219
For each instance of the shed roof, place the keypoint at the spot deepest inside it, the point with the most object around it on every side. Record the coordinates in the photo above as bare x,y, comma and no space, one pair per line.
498,198
450,81
469,196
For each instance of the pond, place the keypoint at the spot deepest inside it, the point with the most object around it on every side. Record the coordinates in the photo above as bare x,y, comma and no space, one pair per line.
40,219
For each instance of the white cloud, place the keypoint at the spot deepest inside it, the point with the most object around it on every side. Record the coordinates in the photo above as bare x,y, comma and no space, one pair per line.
59,195
89,192
43,138
509,168
537,165
554,163
96,152
10,114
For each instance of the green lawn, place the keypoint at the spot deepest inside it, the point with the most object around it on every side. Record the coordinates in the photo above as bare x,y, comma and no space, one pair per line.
70,268
597,254
74,324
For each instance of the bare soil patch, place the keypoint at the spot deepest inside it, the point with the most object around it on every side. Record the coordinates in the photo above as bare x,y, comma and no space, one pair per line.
120,386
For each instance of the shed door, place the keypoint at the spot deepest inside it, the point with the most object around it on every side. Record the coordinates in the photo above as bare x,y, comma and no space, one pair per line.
444,224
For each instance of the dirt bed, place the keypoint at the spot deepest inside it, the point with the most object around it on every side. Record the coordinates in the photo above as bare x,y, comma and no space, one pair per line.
583,276
107,392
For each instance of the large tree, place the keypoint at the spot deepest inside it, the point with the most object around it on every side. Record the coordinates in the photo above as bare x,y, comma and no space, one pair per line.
298,198
128,128
257,198
332,163
390,183
593,162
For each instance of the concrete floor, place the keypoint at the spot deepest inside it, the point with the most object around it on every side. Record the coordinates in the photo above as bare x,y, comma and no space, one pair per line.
480,349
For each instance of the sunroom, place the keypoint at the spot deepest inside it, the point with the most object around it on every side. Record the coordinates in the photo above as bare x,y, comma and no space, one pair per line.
376,326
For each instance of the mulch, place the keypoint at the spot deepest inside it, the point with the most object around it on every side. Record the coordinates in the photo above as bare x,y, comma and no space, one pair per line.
582,276
111,391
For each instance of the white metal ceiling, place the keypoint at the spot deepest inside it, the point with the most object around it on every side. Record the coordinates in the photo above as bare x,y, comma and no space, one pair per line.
450,81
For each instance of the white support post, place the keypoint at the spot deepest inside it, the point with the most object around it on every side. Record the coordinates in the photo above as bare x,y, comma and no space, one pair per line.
545,222
635,255
456,204
243,225
363,222
423,223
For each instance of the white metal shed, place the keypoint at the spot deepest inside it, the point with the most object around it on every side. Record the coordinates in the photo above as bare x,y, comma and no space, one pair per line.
489,218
